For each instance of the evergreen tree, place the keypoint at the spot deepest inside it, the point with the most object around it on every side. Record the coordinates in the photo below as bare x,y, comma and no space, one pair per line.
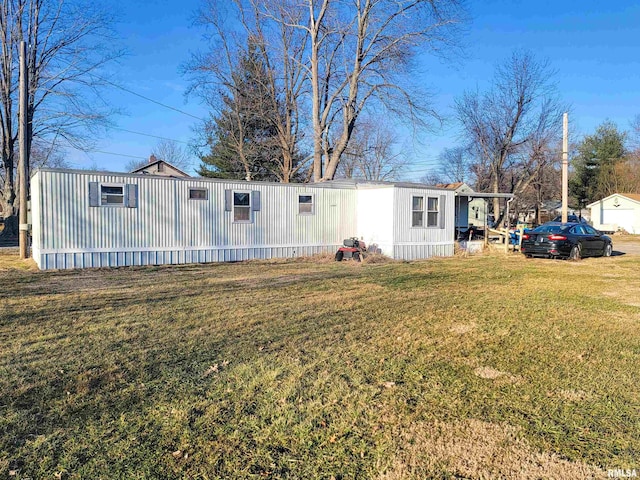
243,138
595,164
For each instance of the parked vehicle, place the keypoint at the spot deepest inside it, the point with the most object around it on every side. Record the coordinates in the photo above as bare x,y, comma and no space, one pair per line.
566,240
352,248
570,219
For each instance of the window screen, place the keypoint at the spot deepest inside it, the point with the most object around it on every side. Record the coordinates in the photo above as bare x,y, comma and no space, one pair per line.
417,211
198,194
112,195
305,204
432,212
241,207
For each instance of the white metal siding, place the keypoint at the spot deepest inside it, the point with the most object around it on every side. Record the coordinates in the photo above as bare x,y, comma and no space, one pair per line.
167,227
418,251
422,242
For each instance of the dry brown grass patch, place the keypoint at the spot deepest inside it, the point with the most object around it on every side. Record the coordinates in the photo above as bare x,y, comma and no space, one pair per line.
627,292
378,258
476,449
571,395
10,260
489,373
462,328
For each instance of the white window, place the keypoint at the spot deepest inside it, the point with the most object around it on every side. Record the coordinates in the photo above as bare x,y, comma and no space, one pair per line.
112,195
305,205
417,211
198,194
241,206
432,212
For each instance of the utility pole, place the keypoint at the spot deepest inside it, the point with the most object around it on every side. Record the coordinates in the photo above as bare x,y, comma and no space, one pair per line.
23,169
565,166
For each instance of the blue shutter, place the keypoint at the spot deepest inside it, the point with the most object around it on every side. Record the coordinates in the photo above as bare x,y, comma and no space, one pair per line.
442,211
228,200
131,195
255,200
94,194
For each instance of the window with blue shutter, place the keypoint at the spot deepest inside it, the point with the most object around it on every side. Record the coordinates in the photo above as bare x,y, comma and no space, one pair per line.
113,195
242,204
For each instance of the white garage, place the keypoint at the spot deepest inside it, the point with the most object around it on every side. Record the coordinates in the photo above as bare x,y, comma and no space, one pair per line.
620,211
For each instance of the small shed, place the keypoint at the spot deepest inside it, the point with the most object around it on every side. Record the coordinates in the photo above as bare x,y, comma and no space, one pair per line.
99,219
620,211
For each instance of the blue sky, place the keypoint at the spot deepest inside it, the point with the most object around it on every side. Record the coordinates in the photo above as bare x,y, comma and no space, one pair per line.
594,46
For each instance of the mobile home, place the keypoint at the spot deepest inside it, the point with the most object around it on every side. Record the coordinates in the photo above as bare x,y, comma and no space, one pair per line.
99,219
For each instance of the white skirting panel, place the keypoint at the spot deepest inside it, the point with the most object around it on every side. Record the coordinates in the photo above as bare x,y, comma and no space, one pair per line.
421,251
67,260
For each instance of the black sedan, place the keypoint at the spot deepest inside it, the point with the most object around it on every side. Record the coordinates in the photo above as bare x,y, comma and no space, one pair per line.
566,240
571,219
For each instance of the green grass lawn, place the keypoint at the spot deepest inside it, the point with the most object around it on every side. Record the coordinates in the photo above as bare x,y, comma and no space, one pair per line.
481,367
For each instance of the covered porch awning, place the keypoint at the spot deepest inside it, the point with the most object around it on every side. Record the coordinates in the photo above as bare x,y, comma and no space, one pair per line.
463,220
472,195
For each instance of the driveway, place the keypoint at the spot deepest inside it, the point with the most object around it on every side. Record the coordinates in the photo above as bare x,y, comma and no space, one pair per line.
625,245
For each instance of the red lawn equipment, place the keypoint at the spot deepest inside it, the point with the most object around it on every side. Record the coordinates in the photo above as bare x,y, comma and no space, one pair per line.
352,248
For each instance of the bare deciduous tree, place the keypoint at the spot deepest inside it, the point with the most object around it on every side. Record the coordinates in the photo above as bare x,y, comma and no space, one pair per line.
265,30
454,165
176,155
371,153
335,59
67,41
360,53
511,126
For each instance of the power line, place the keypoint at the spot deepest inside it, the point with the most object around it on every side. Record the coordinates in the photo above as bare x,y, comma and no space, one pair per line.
118,154
124,89
149,135
128,131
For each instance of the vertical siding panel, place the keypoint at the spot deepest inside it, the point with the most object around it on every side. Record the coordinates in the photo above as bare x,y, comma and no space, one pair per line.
410,238
167,227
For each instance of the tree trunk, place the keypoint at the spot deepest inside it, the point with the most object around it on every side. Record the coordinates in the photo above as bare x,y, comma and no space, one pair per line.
11,223
314,30
9,209
496,201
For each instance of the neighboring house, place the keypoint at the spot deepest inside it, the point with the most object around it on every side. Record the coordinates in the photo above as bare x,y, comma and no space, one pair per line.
547,212
160,167
97,219
620,211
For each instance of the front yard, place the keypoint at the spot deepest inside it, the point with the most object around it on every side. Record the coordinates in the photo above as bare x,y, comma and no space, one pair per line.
492,366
